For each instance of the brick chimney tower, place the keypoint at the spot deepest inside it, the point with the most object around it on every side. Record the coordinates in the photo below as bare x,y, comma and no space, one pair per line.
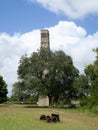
45,43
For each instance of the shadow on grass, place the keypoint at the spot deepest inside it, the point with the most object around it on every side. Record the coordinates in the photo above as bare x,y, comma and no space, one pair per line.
35,106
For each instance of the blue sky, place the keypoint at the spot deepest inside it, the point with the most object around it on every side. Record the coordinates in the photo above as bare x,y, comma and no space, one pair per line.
23,15
72,24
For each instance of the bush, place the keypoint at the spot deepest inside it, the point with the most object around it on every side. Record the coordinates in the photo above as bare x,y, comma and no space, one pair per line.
86,102
95,110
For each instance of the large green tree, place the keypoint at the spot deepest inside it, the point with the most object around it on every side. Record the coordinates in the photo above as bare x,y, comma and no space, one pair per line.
49,73
92,75
3,90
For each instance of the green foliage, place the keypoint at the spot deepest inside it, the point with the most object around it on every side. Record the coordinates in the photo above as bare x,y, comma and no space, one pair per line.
21,93
3,90
86,102
82,87
95,110
92,75
47,72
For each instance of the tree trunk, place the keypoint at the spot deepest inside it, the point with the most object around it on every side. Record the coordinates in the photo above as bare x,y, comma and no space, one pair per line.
50,100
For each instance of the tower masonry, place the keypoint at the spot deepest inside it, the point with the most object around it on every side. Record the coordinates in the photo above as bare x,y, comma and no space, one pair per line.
45,43
43,100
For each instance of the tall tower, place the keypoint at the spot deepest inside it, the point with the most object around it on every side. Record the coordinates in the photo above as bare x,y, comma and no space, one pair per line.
45,43
43,100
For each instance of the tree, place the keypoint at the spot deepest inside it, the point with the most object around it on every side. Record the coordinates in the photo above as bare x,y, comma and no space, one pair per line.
82,87
3,90
48,73
60,76
92,75
18,91
22,94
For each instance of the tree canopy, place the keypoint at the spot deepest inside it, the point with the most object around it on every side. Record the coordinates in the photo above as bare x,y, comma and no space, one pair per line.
3,90
91,72
53,74
47,73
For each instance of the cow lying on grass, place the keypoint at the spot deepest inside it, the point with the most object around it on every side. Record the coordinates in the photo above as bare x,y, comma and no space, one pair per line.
52,118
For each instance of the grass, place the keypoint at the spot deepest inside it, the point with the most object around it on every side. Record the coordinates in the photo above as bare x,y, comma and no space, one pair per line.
20,117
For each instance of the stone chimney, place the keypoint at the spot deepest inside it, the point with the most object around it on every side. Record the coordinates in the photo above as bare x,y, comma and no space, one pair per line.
45,43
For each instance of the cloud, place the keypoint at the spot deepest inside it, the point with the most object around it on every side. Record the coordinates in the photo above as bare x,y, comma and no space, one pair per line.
70,8
11,49
66,36
74,41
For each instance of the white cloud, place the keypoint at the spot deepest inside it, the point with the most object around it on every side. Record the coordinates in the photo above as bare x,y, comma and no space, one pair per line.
66,36
74,41
11,49
71,8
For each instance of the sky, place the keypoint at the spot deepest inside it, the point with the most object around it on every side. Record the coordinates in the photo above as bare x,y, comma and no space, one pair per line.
72,24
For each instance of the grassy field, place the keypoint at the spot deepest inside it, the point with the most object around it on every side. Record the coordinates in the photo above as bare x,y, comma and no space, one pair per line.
20,117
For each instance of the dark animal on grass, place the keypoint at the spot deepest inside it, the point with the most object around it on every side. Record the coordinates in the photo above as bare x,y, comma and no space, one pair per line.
55,117
43,117
48,119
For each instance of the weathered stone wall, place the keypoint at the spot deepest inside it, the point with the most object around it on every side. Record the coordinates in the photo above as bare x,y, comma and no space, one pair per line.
43,101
